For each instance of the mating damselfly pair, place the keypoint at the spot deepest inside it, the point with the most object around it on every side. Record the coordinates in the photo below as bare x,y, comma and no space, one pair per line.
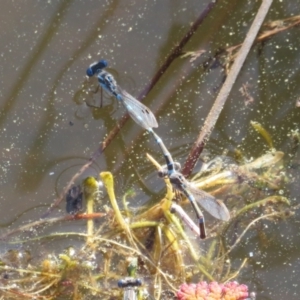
143,116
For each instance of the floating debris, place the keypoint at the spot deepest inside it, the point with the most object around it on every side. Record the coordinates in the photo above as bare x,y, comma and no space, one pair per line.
74,200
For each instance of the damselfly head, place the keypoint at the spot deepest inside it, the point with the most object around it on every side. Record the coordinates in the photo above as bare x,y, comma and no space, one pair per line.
96,67
129,281
176,178
163,172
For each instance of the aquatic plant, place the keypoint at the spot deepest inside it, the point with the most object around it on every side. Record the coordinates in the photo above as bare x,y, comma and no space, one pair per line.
155,236
213,290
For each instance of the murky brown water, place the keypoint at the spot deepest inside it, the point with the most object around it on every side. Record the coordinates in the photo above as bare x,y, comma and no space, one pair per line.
47,133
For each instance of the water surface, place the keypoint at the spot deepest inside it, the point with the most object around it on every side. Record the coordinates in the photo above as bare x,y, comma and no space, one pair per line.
47,132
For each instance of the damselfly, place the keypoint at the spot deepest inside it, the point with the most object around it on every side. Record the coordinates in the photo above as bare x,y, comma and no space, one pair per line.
140,113
212,205
130,283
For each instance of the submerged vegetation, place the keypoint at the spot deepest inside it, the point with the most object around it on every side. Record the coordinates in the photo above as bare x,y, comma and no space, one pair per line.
167,252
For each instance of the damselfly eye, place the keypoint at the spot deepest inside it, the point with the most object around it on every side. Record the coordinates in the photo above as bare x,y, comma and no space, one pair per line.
160,174
139,282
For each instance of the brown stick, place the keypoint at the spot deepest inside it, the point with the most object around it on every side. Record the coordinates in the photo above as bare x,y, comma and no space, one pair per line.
293,22
173,55
226,88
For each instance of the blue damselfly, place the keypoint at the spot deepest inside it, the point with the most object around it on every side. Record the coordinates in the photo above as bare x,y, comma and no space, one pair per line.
212,205
140,113
130,283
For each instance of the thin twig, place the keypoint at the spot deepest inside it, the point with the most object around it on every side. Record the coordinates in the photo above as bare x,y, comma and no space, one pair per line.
37,223
226,88
178,49
274,214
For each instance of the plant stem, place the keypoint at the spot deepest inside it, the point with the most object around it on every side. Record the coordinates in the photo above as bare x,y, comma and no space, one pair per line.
226,88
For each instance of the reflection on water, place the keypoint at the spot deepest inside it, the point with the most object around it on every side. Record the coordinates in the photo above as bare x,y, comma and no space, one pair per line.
46,48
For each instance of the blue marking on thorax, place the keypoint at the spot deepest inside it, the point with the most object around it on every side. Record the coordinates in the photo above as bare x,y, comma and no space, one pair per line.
108,83
170,170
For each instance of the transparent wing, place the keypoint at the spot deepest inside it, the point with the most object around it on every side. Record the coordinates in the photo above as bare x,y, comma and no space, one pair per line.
212,205
140,113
